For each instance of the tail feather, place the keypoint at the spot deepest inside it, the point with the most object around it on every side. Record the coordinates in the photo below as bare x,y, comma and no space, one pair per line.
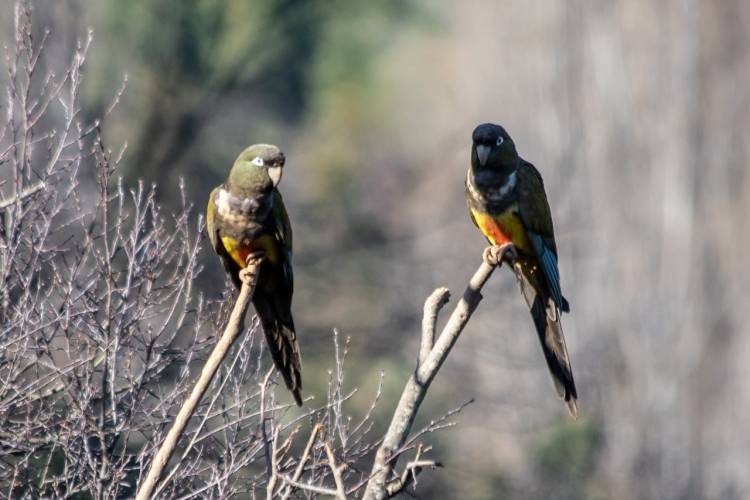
281,340
546,318
550,333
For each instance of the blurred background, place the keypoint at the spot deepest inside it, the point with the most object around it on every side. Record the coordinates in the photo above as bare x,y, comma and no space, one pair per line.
636,113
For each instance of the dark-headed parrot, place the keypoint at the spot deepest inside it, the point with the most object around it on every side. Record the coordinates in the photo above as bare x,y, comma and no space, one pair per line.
508,204
246,215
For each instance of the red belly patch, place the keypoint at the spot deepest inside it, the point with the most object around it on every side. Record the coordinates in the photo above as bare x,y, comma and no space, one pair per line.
502,229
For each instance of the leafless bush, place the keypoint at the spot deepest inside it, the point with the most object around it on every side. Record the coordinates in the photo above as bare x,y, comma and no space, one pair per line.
100,323
101,330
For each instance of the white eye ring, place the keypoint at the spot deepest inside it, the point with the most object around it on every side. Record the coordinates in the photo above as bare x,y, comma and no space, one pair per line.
500,140
258,161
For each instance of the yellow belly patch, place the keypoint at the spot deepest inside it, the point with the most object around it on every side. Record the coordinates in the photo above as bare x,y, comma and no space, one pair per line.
503,228
239,252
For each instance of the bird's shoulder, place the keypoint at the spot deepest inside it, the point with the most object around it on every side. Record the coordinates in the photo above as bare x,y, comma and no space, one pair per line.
211,216
533,206
529,176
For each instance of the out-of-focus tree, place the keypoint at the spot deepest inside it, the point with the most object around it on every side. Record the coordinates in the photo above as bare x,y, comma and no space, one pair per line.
207,78
102,329
198,64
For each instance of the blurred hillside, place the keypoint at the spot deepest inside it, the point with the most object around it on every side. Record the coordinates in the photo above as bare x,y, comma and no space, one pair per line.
636,113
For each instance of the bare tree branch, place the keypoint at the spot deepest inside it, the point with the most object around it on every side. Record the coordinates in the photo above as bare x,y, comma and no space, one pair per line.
432,306
22,195
101,330
231,332
417,386
309,487
302,461
336,470
410,473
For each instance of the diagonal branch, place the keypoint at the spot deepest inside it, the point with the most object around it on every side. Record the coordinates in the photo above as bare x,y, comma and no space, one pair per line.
302,461
418,384
231,332
22,195
336,471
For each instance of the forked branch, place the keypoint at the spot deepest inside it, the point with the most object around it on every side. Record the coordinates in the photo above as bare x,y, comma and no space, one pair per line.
431,358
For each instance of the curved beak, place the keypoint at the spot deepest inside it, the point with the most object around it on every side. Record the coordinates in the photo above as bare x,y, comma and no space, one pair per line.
483,152
274,173
275,168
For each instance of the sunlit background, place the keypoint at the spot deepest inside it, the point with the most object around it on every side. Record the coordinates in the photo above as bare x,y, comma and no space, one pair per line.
635,112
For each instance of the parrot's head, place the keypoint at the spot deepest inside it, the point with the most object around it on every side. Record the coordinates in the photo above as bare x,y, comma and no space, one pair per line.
257,164
492,148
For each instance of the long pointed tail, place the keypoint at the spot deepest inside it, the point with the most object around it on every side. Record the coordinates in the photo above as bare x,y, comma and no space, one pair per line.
546,318
282,342
281,339
549,329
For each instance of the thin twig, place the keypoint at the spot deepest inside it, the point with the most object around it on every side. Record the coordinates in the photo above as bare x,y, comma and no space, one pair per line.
336,470
308,487
274,465
22,195
302,461
411,471
409,476
432,306
266,448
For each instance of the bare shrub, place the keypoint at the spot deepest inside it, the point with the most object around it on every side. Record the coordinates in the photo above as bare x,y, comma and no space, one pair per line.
101,332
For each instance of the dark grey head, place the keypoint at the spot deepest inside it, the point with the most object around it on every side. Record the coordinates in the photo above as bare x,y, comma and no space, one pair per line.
492,147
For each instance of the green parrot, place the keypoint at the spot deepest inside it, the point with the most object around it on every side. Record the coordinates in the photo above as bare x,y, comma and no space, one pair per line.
246,215
508,204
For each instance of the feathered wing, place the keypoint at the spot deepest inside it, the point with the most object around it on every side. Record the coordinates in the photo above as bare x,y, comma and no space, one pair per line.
213,234
543,294
211,218
273,292
273,303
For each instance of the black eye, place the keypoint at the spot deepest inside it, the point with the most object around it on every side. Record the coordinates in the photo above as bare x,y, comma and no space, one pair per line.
499,140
